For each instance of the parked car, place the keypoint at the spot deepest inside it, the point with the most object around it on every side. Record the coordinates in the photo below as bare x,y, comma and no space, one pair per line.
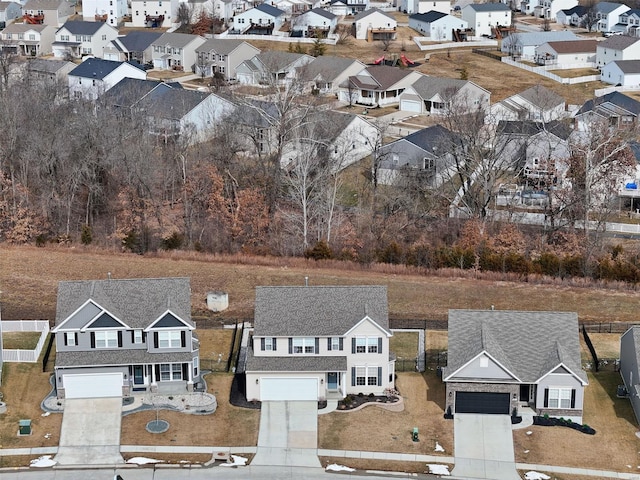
611,34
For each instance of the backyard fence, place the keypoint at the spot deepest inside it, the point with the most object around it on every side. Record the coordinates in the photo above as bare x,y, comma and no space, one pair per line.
542,71
19,355
607,327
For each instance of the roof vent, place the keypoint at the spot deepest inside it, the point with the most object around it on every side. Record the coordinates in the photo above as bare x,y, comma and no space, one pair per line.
109,275
306,281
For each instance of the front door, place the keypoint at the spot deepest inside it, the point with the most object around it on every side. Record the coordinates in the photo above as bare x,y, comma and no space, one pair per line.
138,374
332,380
524,393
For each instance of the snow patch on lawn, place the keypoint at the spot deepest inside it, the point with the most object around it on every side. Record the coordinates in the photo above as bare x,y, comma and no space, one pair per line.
438,448
143,460
536,476
44,461
236,461
438,469
334,467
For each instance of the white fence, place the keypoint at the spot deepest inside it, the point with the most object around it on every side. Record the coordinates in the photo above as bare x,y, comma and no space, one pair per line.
603,91
542,71
29,356
331,39
443,46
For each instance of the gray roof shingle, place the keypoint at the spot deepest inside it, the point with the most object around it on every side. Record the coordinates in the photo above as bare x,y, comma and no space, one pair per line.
139,41
299,363
618,42
96,68
542,97
79,27
366,13
97,357
489,7
220,46
628,66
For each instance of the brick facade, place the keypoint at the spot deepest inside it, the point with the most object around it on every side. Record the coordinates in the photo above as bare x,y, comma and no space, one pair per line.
452,387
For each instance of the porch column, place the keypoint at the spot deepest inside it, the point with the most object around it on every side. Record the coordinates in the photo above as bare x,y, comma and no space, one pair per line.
190,376
154,382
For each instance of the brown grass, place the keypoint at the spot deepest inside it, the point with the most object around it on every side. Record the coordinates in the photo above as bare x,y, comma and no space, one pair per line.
613,447
576,72
228,426
378,430
404,344
20,340
607,345
380,465
174,458
215,347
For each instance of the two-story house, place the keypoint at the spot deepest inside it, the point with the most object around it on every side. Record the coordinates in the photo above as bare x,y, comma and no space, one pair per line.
314,343
272,68
616,48
42,72
614,109
348,7
153,13
437,26
572,16
134,46
374,24
49,12
484,17
608,15
78,38
9,11
535,103
222,56
94,76
326,73
176,51
117,337
109,11
550,8
423,6
523,45
317,23
261,20
28,40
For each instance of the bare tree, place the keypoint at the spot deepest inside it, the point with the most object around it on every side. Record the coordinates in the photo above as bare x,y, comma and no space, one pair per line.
590,18
8,58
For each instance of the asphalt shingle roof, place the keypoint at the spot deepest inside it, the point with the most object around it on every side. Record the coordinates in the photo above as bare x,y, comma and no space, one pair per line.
269,10
46,66
430,138
172,103
317,311
427,17
23,27
574,46
129,91
540,96
78,27
538,38
116,357
220,46
327,67
618,42
382,77
428,87
607,7
176,40
322,12
299,363
579,10
614,101
139,41
489,7
96,68
530,128
528,344
137,302
628,66
366,13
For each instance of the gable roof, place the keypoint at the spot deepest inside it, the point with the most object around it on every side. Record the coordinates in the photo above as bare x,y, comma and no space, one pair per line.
322,12
97,68
614,103
222,46
427,17
178,40
371,11
24,27
382,77
269,10
618,42
318,311
428,87
527,344
541,97
138,40
574,46
79,27
43,4
173,103
129,91
579,10
530,128
607,7
137,302
430,139
328,67
538,38
488,7
43,65
276,61
628,66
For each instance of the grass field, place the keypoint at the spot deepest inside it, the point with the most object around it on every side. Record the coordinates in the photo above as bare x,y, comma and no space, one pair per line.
20,340
404,344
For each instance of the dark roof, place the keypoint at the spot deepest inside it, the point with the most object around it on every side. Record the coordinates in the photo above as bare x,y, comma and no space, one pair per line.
607,7
428,87
528,344
276,61
489,7
430,139
222,46
318,311
382,77
139,40
97,68
628,66
366,13
322,12
129,91
614,103
618,42
78,27
529,128
579,10
137,302
300,363
172,103
118,357
574,46
633,11
269,10
46,65
428,17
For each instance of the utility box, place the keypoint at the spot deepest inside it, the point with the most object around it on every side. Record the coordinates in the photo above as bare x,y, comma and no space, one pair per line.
24,427
414,434
217,301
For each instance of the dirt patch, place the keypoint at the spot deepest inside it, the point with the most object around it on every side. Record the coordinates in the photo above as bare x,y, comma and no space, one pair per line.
173,458
381,465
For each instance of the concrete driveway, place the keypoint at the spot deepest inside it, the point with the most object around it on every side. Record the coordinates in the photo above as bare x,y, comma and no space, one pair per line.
90,433
484,447
288,434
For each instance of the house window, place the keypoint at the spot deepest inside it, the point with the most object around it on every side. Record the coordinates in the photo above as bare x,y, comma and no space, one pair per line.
304,345
361,375
335,343
559,398
78,38
170,339
70,339
372,345
196,364
268,344
21,36
137,336
366,376
104,37
107,339
170,372
32,37
484,362
361,345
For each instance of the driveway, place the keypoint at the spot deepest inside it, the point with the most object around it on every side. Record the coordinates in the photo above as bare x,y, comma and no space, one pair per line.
90,433
288,434
484,447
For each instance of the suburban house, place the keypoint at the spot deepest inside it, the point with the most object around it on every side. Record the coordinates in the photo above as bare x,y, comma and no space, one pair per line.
493,368
135,46
222,57
439,95
630,20
523,45
49,12
569,52
485,17
425,154
261,20
343,351
326,73
315,23
617,47
374,24
176,51
623,72
124,97
28,40
43,73
272,67
9,11
572,16
117,337
614,109
550,8
292,7
109,11
153,13
78,39
535,103
223,9
424,6
377,86
348,7
95,76
608,14
630,366
437,26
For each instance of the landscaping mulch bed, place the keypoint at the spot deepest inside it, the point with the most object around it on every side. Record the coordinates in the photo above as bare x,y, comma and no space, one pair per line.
562,422
352,402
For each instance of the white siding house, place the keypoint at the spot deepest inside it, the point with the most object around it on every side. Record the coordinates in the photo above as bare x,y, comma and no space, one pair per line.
524,44
100,10
28,40
424,6
608,14
567,53
623,72
317,22
616,48
263,19
550,8
436,25
484,17
79,38
153,13
374,24
176,51
95,76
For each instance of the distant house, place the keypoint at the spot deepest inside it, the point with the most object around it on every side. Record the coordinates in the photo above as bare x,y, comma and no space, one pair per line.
572,16
44,72
437,26
326,73
28,40
524,45
134,46
424,6
425,155
616,48
549,8
49,12
9,11
608,14
175,51
374,24
484,17
260,20
223,56
535,103
78,38
438,95
317,22
95,76
377,86
625,73
348,7
271,67
109,11
153,13
614,109
492,368
569,52
292,7
125,96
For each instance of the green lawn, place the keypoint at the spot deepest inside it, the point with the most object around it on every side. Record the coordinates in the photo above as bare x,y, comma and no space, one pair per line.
20,340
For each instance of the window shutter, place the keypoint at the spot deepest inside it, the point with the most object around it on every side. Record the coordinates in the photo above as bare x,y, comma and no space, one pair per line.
274,343
157,372
329,344
155,340
183,339
290,345
144,337
185,371
65,338
262,342
573,398
379,376
341,343
75,337
93,339
546,398
317,345
353,376
353,345
133,338
119,338
379,344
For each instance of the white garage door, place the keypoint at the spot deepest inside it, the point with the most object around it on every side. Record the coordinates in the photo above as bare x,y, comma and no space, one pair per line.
288,389
96,385
410,106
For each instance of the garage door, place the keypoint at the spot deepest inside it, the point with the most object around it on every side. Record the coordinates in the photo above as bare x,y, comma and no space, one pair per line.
481,402
410,106
288,389
95,385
